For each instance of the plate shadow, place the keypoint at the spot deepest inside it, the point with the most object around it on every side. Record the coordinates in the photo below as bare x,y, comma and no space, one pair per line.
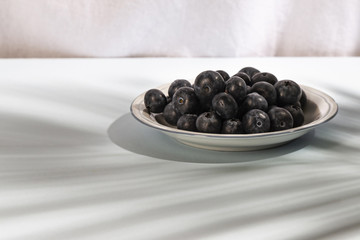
133,136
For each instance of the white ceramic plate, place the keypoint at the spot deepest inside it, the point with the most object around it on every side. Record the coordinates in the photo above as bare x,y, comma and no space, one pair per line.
320,108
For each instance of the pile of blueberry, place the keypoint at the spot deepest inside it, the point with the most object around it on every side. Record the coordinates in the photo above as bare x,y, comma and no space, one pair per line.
248,102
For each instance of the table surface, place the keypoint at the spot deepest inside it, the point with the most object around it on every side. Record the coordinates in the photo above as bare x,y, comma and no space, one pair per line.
76,165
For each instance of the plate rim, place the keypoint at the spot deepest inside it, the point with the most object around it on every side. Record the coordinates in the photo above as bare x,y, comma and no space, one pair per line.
331,113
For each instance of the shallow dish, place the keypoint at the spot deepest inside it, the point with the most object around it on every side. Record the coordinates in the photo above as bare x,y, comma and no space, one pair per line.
319,109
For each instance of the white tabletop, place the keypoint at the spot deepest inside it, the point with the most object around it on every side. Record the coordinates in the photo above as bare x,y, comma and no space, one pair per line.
74,163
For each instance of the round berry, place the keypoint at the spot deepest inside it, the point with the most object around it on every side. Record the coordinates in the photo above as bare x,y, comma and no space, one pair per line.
256,121
185,100
249,71
288,92
297,114
224,74
244,76
155,100
254,101
187,122
207,84
225,105
208,122
171,114
266,90
232,126
280,119
236,87
175,85
264,77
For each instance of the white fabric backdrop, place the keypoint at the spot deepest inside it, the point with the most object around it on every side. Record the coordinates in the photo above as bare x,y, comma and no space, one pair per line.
207,28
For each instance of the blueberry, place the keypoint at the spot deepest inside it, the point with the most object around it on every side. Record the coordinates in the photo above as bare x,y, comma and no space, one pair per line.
266,90
256,121
264,77
175,85
303,99
155,100
236,87
254,101
249,71
244,76
185,100
187,122
207,84
232,126
171,114
224,74
280,119
225,105
208,122
288,92
297,114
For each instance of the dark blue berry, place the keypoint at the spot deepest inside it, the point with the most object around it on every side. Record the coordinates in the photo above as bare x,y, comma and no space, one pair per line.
256,121
171,114
185,100
264,77
232,126
297,114
254,101
236,87
225,105
245,77
280,119
207,84
224,74
175,85
288,92
208,122
155,100
266,90
187,122
249,71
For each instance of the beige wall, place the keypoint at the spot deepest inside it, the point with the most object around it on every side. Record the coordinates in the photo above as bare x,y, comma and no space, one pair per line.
187,28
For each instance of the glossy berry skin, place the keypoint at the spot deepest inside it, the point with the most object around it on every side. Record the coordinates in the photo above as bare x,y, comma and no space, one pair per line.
185,100
224,75
244,76
303,99
155,100
264,77
256,121
236,87
187,122
280,119
288,92
208,122
171,114
297,114
232,126
249,71
175,85
225,105
254,101
207,84
266,90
